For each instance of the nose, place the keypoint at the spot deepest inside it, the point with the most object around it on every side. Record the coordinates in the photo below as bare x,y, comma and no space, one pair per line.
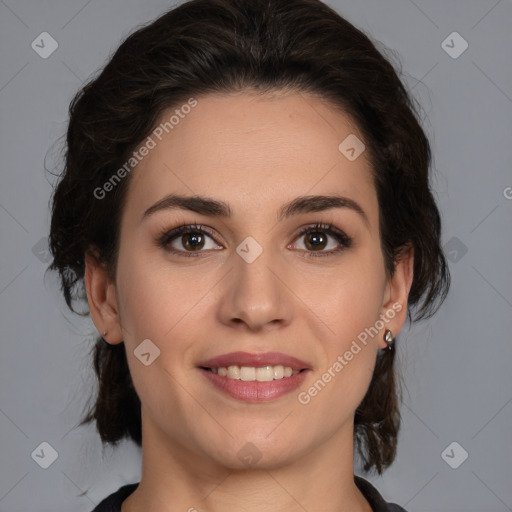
255,296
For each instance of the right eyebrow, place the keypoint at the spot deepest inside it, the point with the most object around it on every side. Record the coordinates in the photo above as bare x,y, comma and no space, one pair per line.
198,204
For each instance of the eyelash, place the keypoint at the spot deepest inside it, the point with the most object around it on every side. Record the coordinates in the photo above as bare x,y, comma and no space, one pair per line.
345,242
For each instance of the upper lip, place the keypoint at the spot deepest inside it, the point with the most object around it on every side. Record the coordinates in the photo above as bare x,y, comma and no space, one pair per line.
255,360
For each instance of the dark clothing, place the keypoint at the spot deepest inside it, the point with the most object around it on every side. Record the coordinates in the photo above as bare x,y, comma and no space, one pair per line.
113,502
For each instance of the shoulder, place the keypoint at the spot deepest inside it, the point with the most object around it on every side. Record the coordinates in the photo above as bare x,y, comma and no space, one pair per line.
113,502
374,498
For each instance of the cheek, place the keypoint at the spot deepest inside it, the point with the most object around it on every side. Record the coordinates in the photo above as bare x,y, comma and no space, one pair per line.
352,296
347,366
153,296
157,303
153,306
352,304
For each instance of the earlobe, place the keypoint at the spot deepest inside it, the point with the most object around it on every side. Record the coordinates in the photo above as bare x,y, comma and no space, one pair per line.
101,296
394,309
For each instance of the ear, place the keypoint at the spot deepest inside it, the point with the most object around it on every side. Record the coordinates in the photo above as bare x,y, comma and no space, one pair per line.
101,295
397,292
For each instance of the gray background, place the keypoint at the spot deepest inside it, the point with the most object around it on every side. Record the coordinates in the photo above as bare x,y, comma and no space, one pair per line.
456,366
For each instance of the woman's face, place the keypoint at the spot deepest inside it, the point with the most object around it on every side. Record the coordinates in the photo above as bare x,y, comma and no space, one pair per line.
250,282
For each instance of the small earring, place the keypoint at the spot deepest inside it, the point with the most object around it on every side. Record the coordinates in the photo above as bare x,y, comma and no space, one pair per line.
105,333
388,338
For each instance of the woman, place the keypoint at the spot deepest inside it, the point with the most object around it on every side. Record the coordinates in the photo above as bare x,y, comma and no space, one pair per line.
246,202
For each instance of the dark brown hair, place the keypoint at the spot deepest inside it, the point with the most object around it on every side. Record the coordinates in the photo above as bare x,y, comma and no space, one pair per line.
206,46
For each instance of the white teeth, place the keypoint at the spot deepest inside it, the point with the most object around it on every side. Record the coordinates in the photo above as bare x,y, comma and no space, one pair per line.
251,374
265,374
278,372
233,372
247,373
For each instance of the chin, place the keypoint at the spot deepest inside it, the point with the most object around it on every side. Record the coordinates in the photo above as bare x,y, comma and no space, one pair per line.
256,452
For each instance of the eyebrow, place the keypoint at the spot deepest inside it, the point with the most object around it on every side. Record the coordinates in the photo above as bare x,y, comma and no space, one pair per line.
213,208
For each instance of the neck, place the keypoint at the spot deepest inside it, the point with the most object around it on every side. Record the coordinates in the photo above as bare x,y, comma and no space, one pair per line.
174,478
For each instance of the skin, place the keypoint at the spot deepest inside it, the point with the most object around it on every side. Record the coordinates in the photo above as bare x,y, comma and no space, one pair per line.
281,145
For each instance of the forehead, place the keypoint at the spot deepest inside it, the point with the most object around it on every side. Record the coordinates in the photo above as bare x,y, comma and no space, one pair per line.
248,149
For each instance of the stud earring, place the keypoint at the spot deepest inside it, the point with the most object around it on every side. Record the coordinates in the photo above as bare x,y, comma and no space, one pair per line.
388,338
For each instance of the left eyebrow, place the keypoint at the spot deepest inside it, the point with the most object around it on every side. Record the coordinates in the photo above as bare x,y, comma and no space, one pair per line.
308,204
213,208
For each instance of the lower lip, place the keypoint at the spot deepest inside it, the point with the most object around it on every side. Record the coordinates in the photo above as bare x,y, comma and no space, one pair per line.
255,391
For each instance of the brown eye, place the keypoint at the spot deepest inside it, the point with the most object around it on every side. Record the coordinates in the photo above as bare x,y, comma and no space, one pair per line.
316,240
186,240
318,237
192,241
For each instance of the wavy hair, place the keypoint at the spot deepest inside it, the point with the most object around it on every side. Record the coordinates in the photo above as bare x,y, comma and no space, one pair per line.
205,46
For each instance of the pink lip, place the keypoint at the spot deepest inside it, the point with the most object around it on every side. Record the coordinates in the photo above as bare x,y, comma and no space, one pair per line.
255,360
255,391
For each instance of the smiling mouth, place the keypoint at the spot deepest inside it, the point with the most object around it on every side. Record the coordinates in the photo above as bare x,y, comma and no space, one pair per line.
253,374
